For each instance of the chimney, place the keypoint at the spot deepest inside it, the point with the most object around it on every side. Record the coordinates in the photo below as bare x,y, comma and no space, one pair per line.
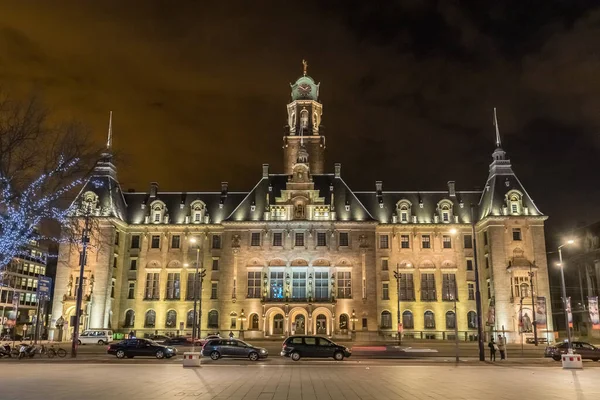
338,170
378,186
153,189
265,171
451,188
223,194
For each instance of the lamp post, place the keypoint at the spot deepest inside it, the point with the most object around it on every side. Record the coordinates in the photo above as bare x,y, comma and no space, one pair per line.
242,318
196,330
84,243
353,319
477,289
397,276
564,294
535,334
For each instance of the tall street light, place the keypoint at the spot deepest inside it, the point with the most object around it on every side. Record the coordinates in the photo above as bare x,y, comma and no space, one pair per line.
454,295
397,276
564,293
477,288
197,288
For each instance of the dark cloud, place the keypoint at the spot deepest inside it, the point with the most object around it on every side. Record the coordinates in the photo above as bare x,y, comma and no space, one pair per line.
199,89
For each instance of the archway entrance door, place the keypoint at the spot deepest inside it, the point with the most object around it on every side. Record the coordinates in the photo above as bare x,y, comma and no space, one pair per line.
300,324
278,324
321,324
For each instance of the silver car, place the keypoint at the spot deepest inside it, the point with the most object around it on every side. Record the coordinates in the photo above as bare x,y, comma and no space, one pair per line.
217,348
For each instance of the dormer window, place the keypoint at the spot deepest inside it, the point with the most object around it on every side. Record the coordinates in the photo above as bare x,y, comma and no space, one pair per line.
89,203
404,211
158,210
445,211
514,201
197,209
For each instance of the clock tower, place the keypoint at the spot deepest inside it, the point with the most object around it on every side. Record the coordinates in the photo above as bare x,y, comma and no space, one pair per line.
302,129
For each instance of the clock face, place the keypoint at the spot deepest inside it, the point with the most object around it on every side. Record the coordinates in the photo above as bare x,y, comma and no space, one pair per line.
304,88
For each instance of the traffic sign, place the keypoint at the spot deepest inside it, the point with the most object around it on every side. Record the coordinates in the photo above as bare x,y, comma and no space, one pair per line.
44,288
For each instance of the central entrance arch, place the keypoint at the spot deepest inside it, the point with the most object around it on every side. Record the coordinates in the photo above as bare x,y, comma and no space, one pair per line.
278,324
300,324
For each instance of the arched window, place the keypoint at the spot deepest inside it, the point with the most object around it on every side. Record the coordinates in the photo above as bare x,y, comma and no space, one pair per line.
150,320
472,320
450,320
407,320
157,210
343,321
514,200
386,320
254,322
429,320
129,319
189,321
445,211
404,211
304,119
524,290
321,324
197,211
171,321
213,319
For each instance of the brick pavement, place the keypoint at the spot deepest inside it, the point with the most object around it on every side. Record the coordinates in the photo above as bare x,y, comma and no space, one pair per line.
263,382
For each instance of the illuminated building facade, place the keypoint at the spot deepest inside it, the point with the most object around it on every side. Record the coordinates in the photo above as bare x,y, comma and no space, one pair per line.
303,253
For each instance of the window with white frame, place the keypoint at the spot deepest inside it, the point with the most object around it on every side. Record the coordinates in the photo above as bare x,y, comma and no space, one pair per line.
405,241
403,209
321,285
255,239
299,284
515,202
276,285
445,211
158,210
277,239
197,208
152,286
254,284
385,291
344,281
173,286
384,241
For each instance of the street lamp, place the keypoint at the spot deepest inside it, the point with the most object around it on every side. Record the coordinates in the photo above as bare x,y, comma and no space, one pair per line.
242,318
397,276
353,319
564,293
196,330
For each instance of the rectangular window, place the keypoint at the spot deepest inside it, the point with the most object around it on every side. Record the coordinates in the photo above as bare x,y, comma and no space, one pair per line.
471,288
517,234
426,241
298,285
175,241
254,284
152,286
468,241
131,291
255,239
299,239
112,289
233,322
133,264
487,261
114,261
385,291
447,241
384,264
321,239
215,264
276,285
489,289
469,264
173,286
344,281
214,290
321,285
449,292
155,244
384,242
116,238
277,239
428,287
407,287
157,217
191,278
343,239
386,320
405,241
485,238
216,241
135,241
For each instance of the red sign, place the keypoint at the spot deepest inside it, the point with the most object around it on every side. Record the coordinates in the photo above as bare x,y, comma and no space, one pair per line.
400,329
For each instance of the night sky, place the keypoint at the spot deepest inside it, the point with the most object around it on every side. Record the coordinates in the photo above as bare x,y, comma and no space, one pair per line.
199,90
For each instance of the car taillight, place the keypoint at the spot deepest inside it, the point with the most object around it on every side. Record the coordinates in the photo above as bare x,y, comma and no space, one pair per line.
284,346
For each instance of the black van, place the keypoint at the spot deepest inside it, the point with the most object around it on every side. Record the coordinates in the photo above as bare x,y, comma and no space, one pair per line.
297,347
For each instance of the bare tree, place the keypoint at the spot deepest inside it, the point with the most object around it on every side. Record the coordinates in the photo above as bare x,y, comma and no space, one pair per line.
40,163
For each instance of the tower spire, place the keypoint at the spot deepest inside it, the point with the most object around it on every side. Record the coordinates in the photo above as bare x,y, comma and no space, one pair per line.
498,141
109,141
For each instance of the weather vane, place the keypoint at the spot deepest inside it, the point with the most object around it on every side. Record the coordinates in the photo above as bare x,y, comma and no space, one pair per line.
305,64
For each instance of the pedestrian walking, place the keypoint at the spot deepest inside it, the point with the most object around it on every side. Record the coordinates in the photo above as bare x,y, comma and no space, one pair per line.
502,347
131,334
230,334
493,347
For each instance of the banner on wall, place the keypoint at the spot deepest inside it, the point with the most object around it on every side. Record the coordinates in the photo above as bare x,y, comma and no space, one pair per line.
491,319
541,316
569,313
593,307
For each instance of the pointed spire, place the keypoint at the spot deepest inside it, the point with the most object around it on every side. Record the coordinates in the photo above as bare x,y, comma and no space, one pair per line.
498,141
109,141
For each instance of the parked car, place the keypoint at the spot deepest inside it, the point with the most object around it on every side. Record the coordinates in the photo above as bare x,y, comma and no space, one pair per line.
159,338
96,336
140,347
217,348
178,341
202,342
587,351
297,347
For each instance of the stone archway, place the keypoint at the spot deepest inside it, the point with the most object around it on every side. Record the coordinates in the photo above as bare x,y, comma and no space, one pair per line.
300,325
277,327
321,324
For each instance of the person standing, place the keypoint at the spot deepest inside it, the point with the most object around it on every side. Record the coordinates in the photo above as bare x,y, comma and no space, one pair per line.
230,334
493,347
502,347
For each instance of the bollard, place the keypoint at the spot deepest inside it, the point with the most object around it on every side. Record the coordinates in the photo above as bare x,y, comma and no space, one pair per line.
572,361
191,359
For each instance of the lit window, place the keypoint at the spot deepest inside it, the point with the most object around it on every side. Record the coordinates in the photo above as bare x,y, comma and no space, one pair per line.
447,241
426,241
255,239
344,239
385,294
405,241
517,234
277,239
384,241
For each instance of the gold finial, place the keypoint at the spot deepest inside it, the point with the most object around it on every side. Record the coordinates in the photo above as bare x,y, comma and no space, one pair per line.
305,64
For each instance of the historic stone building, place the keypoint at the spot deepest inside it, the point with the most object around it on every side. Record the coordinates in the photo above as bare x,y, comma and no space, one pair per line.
303,253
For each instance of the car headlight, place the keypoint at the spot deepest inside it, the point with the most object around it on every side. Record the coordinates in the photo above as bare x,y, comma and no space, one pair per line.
263,351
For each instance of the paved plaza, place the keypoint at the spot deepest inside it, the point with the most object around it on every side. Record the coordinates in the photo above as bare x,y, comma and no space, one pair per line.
331,381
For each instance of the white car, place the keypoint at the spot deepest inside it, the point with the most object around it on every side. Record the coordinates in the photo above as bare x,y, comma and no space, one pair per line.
96,336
